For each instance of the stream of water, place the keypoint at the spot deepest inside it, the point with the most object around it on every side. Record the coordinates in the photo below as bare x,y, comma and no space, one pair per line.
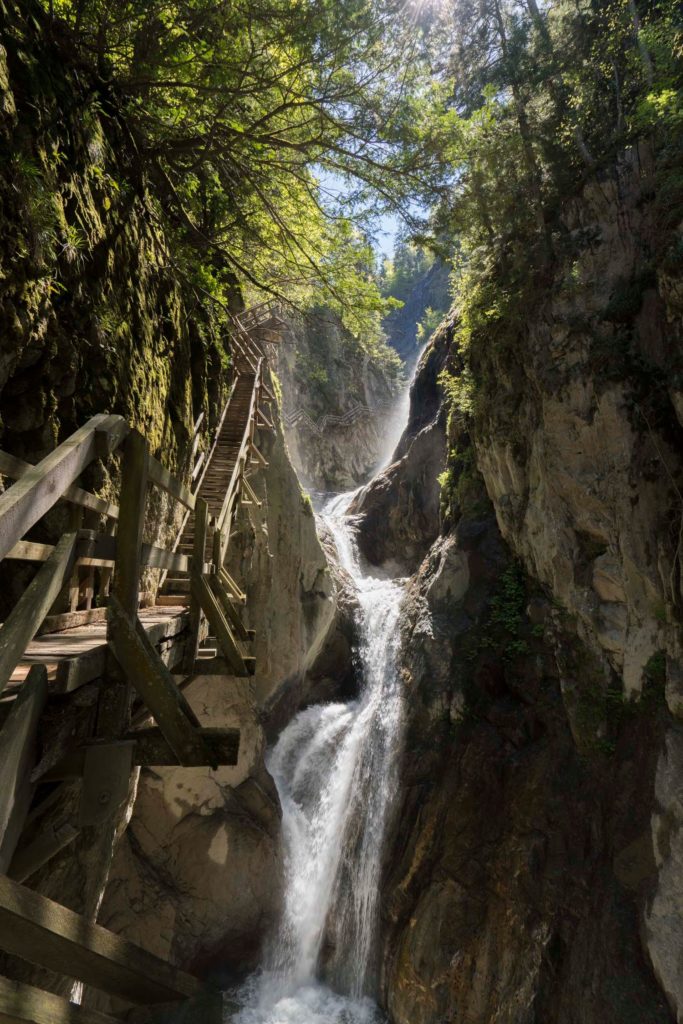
334,767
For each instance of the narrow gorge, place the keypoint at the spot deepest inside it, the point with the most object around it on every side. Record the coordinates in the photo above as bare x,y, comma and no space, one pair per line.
341,512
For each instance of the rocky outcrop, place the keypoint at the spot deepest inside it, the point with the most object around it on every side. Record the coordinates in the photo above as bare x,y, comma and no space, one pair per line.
398,512
336,398
535,867
196,875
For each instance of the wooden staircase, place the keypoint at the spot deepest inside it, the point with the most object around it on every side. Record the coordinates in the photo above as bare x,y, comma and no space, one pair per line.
126,658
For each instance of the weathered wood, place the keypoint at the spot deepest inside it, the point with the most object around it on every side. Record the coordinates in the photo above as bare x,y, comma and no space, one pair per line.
107,769
150,749
201,520
131,522
256,456
16,468
160,476
110,434
47,934
70,620
219,625
30,551
250,492
17,757
155,684
26,501
229,609
47,844
230,585
105,551
23,621
24,1004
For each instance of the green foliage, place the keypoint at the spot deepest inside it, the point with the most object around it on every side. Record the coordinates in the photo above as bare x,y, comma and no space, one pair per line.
239,115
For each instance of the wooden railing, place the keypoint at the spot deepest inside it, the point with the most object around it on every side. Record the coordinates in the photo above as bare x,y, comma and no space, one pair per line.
95,573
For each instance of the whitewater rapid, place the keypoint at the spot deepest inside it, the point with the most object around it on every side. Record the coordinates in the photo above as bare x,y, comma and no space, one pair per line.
335,769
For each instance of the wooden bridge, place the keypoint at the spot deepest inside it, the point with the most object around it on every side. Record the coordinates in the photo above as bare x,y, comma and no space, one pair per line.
89,657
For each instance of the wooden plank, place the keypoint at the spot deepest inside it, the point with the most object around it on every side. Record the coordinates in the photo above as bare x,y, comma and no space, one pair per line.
23,621
160,476
24,1004
26,501
201,520
16,468
30,551
256,456
47,844
47,934
71,620
155,684
219,626
17,758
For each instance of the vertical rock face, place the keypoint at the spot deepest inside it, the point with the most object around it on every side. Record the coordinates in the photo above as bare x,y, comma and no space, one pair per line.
535,870
276,555
335,400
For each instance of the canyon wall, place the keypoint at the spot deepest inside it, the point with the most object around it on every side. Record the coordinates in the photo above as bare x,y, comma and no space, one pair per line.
335,400
534,869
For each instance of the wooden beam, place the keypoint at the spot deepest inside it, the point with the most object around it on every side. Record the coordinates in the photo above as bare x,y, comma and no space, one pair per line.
201,520
109,434
250,492
229,609
155,684
23,621
47,934
17,758
24,1004
219,626
26,501
150,749
29,857
230,585
256,456
16,468
160,476
107,769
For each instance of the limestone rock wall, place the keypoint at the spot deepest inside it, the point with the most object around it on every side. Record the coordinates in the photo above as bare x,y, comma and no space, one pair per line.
335,400
534,870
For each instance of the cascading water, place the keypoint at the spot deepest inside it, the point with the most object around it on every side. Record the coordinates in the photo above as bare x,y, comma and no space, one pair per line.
335,767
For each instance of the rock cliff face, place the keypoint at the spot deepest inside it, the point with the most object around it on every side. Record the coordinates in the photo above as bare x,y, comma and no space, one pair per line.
534,871
335,401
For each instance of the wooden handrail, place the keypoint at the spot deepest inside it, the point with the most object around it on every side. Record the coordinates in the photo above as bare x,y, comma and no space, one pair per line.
26,501
233,486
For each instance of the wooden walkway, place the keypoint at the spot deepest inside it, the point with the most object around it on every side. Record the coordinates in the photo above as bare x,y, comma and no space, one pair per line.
91,682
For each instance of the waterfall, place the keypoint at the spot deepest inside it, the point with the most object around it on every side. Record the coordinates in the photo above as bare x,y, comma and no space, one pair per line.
335,770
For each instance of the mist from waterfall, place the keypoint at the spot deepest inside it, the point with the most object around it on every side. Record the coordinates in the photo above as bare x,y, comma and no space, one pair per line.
335,769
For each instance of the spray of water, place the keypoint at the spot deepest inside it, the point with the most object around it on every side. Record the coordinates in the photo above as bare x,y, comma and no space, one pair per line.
335,770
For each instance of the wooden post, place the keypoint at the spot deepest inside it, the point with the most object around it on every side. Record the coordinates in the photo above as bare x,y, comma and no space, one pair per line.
17,758
27,615
240,665
131,522
156,686
201,516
